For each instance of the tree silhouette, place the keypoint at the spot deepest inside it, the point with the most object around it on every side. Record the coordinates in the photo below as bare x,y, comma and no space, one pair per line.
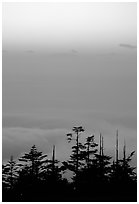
10,172
29,181
37,178
52,171
123,177
89,150
88,172
9,178
75,162
34,160
102,161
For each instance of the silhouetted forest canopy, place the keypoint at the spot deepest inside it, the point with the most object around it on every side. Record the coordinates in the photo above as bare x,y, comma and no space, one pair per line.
96,176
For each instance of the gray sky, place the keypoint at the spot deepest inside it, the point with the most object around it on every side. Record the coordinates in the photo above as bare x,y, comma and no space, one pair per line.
66,65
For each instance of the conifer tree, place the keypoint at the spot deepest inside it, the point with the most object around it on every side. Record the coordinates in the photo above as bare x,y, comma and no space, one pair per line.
123,176
33,161
102,164
10,173
88,172
5,171
29,180
90,150
75,163
37,178
51,168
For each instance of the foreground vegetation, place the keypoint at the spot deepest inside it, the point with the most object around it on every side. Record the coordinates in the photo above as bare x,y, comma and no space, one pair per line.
96,176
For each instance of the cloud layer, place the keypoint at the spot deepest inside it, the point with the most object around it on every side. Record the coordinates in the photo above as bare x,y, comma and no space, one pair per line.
17,140
128,46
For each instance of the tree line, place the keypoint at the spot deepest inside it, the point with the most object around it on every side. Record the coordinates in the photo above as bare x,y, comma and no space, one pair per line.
95,175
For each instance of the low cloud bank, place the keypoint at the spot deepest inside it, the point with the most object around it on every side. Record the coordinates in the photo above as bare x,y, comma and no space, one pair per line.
17,140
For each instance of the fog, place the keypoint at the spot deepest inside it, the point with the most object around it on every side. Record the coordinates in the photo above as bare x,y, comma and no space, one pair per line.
55,77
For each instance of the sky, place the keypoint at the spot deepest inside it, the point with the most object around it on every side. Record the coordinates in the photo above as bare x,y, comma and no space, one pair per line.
68,64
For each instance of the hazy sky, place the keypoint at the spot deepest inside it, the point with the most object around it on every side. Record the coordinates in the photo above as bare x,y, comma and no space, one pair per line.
66,65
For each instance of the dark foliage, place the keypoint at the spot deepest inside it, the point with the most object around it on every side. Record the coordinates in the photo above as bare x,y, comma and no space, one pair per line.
36,178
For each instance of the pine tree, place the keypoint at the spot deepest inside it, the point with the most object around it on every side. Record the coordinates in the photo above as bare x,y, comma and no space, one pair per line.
9,180
29,181
33,161
102,165
87,174
52,169
53,183
90,150
102,162
75,163
5,172
10,173
123,177
128,172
